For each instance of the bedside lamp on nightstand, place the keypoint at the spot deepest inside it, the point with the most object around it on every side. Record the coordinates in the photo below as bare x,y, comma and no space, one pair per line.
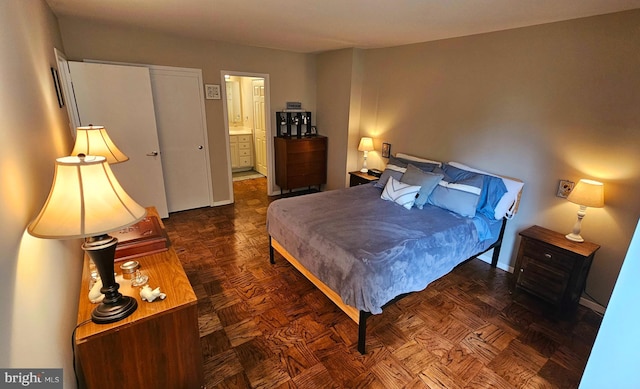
587,193
366,145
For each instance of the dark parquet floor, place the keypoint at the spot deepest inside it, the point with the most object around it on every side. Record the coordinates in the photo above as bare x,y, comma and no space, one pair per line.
266,326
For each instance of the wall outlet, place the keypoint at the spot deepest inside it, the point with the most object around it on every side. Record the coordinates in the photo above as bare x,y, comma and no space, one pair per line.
564,188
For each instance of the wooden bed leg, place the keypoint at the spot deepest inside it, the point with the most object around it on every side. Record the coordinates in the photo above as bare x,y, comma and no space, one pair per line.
271,260
362,331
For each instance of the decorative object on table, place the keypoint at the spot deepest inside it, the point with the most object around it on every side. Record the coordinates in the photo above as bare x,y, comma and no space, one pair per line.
149,295
143,238
366,145
587,193
564,188
386,150
131,271
95,296
94,140
86,201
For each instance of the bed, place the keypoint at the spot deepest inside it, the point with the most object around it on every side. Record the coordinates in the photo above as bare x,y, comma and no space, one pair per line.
369,245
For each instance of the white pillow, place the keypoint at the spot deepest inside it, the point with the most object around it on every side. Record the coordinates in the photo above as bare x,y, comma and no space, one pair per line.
505,207
417,159
400,193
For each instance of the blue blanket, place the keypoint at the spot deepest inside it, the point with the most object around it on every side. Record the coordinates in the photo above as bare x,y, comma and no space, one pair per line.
369,250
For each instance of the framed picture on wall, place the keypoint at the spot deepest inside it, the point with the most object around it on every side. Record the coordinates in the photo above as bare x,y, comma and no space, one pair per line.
212,92
386,150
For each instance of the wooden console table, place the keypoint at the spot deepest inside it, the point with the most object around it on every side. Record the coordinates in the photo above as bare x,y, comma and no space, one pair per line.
158,346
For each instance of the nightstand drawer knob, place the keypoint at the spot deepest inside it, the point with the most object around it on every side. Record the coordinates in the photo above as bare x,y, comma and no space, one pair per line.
521,270
547,255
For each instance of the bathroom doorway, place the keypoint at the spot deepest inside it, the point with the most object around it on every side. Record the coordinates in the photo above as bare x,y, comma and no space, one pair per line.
246,101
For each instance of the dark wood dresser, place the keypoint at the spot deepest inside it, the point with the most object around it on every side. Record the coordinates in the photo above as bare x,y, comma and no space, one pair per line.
552,267
301,162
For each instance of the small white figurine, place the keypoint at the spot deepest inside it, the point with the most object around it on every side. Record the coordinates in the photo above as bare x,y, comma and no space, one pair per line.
95,296
147,294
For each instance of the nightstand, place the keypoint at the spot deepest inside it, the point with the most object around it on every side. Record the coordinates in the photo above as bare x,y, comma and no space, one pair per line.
552,267
358,178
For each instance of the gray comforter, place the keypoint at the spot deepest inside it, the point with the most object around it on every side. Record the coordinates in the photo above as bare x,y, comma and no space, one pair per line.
369,250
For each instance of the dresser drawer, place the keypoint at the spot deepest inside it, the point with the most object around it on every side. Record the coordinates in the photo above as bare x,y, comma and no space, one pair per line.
244,138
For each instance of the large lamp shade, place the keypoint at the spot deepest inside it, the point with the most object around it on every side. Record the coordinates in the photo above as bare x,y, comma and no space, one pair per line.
94,140
85,200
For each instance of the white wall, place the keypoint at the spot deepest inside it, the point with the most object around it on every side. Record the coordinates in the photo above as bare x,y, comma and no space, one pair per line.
39,279
613,362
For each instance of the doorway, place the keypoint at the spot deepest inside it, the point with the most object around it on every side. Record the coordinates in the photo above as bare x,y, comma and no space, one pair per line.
246,102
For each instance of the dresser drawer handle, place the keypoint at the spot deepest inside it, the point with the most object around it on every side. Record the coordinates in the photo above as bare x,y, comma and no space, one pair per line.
547,255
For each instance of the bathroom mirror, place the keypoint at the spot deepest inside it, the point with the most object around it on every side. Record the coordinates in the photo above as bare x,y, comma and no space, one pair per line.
234,107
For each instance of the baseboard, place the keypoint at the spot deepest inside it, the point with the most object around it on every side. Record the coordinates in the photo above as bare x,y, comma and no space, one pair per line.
223,202
592,305
486,257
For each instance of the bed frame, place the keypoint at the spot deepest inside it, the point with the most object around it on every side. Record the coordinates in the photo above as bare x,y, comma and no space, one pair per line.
358,316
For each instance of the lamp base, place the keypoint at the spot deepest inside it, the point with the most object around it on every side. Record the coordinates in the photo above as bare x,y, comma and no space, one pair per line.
574,237
364,170
110,313
114,307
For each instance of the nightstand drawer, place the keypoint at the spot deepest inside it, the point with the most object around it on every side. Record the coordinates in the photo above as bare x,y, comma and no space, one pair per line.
549,255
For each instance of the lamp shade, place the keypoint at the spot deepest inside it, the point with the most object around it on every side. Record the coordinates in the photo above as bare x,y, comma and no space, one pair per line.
366,144
85,200
94,140
588,193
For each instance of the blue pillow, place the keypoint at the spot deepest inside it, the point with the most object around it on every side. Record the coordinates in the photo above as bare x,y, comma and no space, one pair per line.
460,197
457,174
426,180
395,168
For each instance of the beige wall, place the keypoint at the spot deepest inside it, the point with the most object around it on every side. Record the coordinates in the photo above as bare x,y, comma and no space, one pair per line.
291,75
550,102
334,75
39,279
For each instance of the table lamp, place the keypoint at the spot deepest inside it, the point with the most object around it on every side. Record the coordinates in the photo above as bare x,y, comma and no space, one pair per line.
366,145
94,140
86,201
587,193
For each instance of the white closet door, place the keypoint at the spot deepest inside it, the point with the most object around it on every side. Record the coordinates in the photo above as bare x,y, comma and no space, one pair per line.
120,98
182,130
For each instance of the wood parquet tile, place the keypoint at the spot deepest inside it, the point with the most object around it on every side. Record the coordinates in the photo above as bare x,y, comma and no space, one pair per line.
266,326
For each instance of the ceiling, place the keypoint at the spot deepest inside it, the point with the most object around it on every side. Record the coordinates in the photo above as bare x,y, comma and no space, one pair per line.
308,26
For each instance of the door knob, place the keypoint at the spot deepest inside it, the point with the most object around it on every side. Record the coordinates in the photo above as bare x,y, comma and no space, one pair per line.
200,147
152,154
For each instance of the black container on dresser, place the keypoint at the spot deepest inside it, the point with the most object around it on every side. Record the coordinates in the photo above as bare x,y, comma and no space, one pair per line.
552,267
300,162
